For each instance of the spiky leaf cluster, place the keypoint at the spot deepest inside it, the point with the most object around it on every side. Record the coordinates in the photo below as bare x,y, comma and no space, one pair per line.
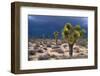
72,33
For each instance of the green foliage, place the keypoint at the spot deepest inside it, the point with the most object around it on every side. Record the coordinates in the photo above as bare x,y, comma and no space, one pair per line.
82,32
68,26
76,34
56,36
78,28
71,33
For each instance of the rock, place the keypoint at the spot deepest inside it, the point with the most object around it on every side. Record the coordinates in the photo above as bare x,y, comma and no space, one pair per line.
75,54
32,57
59,56
86,51
33,44
65,46
32,52
59,42
48,45
55,47
37,45
40,51
45,42
58,50
45,48
76,49
81,54
44,57
53,43
55,55
66,50
41,46
36,48
30,48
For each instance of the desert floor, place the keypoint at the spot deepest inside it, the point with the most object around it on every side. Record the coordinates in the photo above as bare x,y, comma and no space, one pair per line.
39,49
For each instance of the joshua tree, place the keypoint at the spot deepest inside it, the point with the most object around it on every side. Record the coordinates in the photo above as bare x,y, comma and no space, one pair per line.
72,34
56,36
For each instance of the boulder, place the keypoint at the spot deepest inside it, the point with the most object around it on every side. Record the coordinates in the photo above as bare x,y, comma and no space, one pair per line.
76,49
48,45
43,57
45,48
30,48
55,47
81,54
58,50
40,51
59,42
31,52
65,46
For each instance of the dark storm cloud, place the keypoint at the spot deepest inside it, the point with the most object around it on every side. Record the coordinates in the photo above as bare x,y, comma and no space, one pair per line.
39,25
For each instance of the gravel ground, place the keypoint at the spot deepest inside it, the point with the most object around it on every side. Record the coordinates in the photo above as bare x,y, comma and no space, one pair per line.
39,49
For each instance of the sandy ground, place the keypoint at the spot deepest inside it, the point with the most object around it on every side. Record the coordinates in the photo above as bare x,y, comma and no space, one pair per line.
39,49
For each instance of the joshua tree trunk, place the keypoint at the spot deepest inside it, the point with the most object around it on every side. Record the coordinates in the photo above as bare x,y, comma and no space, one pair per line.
71,49
56,40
